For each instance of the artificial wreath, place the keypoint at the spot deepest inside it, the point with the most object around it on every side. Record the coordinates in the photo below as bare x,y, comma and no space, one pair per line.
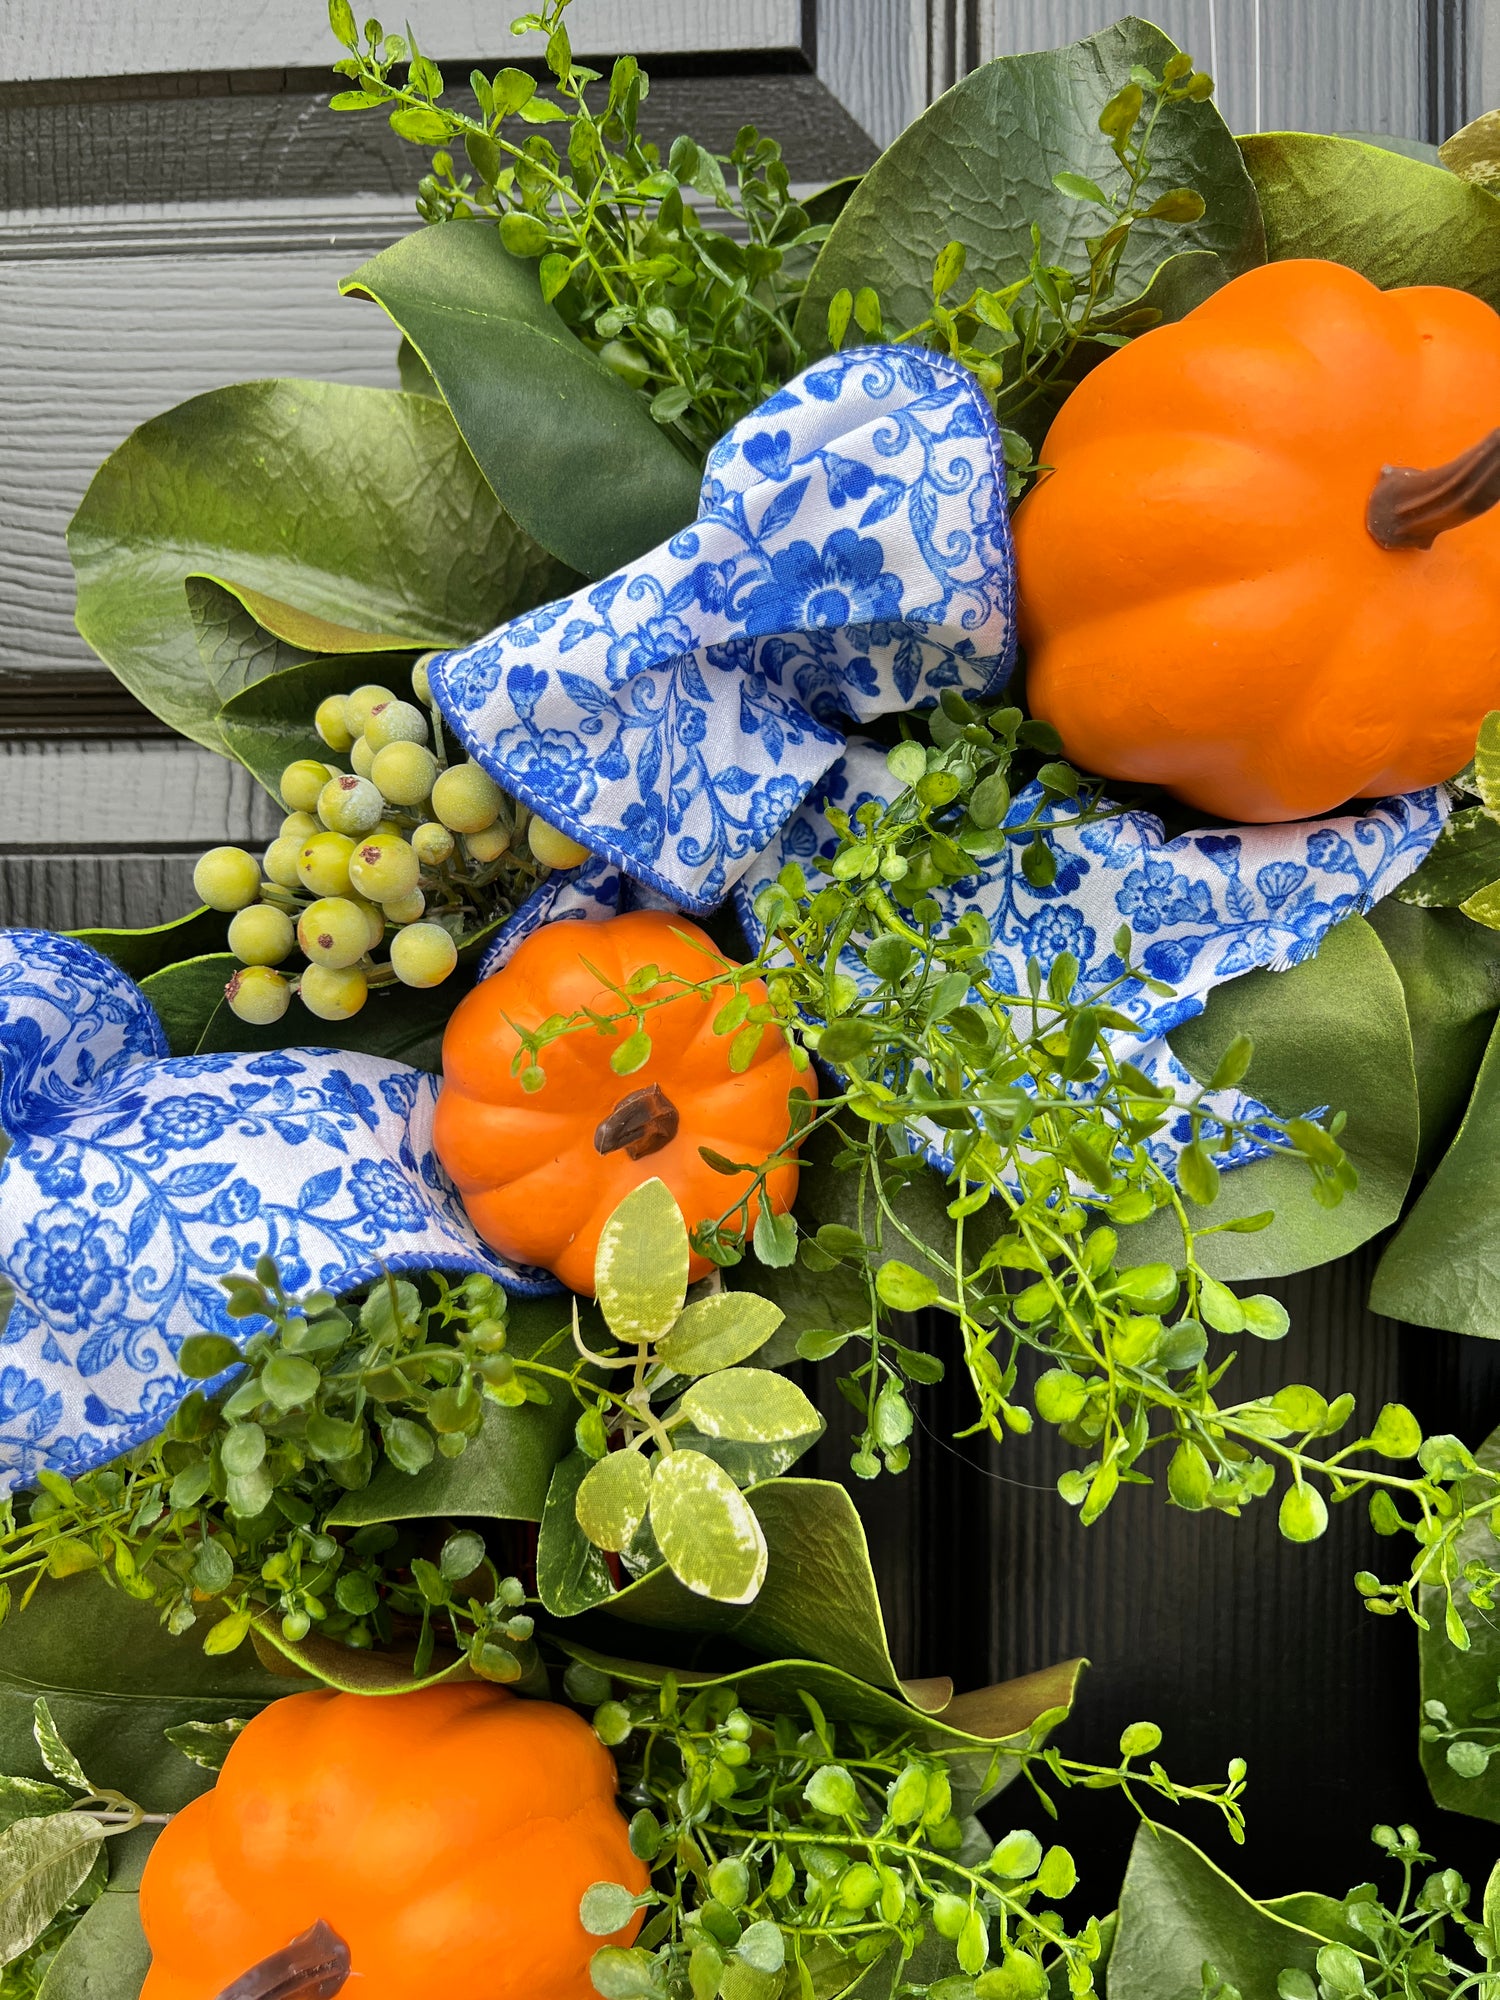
737,894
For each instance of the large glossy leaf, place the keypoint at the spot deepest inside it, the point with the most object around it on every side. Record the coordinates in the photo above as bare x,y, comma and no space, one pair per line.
1179,1912
234,648
818,1600
1396,220
978,165
984,1719
349,1669
107,1957
1332,1031
1450,973
503,1473
1443,1267
188,994
114,1680
140,953
326,509
573,453
1465,1682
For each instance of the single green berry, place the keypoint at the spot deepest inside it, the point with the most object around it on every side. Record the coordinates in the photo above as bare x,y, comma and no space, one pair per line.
280,863
361,756
433,843
395,722
405,909
261,935
357,706
323,863
385,867
489,845
467,799
258,995
333,932
553,848
331,720
301,783
300,826
405,773
349,804
227,878
423,955
421,687
333,993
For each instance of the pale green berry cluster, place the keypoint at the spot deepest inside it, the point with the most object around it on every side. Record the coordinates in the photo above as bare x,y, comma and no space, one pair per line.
402,849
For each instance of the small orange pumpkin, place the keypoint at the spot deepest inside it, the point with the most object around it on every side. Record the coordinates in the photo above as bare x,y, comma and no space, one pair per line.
436,1842
541,1171
1261,572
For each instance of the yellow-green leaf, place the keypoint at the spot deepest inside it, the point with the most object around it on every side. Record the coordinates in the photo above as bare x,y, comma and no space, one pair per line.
718,1331
641,1267
612,1499
706,1529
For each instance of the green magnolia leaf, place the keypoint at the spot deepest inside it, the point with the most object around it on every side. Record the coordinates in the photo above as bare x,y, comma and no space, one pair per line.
818,1600
503,1473
268,723
750,1406
1465,1682
571,450
718,1331
327,510
611,1503
1331,1031
706,1528
140,953
1397,221
187,995
1178,1911
1450,974
234,648
641,1266
43,1863
114,1680
106,1956
571,1574
1038,114
1013,1714
1465,857
1443,1266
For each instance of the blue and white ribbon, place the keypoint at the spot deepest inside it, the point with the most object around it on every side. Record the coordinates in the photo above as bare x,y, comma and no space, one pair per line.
135,1180
851,557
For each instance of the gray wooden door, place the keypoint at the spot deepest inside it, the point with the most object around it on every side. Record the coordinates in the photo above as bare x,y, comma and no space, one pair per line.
176,205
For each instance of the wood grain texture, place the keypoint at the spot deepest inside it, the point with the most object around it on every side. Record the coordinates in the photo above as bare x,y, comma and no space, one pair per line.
875,58
120,38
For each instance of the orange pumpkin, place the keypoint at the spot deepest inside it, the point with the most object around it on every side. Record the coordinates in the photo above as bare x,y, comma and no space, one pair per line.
1260,572
541,1171
435,1842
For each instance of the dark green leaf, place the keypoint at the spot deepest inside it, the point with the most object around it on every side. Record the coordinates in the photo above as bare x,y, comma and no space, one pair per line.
1465,857
338,515
1450,973
1330,1031
1034,112
143,952
571,1574
186,997
106,1956
1443,1268
269,724
571,451
1177,1911
1395,220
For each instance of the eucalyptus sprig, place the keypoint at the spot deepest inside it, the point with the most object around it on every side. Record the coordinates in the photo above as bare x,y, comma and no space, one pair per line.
698,318
790,1852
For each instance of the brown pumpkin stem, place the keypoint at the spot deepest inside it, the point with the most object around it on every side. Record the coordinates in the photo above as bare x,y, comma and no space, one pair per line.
1410,507
312,1967
642,1123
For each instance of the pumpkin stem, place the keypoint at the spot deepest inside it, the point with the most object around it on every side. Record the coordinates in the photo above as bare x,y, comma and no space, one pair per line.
1410,507
313,1966
642,1123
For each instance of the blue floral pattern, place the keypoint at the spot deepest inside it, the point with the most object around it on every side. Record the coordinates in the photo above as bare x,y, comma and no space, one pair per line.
1209,905
851,556
135,1180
